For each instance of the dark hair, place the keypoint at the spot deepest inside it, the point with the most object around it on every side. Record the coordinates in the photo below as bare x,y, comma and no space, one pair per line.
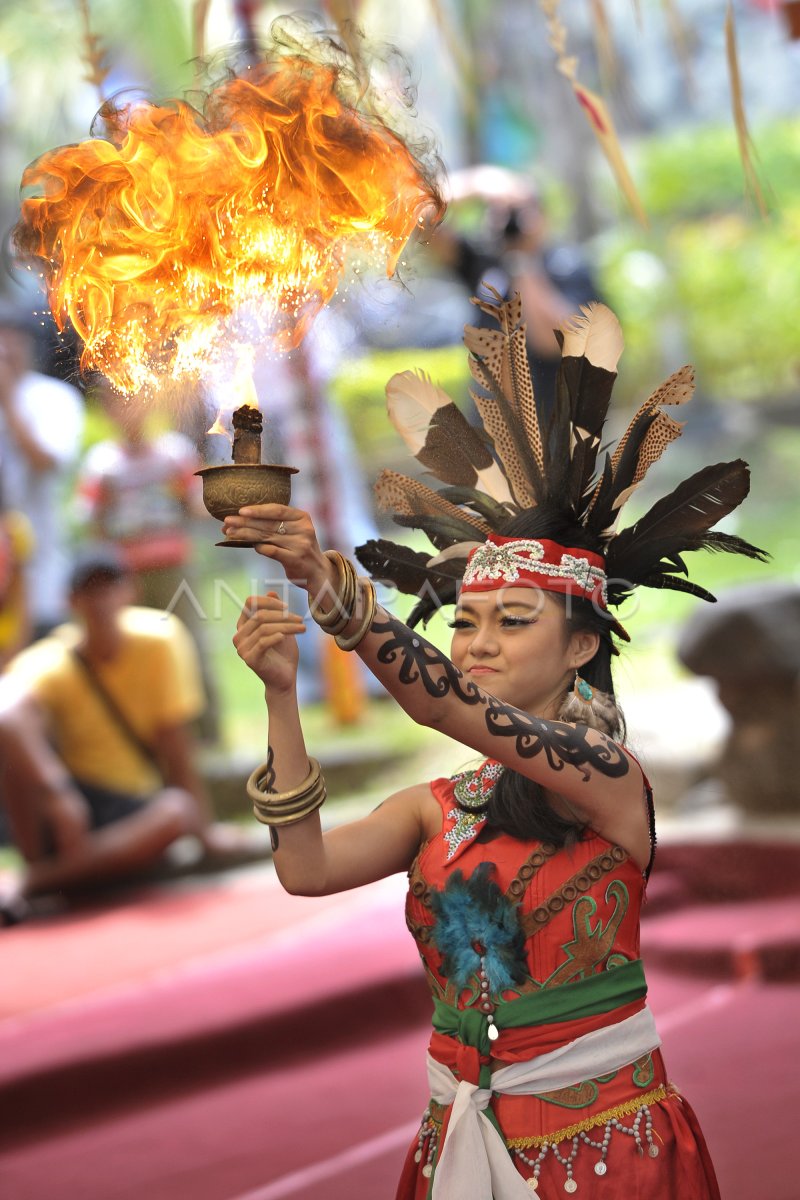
96,563
519,806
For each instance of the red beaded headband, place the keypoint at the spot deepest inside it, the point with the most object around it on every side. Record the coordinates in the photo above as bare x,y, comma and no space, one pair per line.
502,562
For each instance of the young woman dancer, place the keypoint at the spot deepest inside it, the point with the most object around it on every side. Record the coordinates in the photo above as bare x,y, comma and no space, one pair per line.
526,874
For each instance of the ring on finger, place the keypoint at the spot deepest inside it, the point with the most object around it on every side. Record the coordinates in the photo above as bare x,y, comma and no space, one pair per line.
281,528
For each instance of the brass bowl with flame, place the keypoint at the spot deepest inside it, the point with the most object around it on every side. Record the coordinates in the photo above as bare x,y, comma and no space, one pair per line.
229,487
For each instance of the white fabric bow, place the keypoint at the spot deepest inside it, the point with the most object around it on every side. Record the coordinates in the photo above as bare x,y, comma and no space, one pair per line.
474,1162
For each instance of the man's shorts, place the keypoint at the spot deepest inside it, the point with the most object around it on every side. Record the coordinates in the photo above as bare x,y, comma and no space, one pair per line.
107,806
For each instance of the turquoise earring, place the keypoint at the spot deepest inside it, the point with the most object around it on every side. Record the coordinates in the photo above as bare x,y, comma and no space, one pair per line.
583,689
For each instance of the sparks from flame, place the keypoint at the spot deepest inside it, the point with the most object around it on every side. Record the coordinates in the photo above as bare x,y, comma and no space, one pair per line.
158,237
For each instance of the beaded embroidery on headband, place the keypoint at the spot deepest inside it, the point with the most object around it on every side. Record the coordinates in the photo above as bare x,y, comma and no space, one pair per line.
505,561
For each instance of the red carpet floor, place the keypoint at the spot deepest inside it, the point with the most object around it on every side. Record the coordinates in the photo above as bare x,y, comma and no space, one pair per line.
228,1042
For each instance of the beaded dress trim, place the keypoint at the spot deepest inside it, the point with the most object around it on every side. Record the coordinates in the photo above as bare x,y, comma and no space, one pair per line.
577,1135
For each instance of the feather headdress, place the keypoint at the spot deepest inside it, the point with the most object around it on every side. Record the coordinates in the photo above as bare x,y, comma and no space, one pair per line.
523,460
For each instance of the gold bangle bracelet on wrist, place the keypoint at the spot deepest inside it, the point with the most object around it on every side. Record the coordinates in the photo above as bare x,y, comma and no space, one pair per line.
289,810
276,814
340,616
257,793
267,816
273,803
285,808
357,636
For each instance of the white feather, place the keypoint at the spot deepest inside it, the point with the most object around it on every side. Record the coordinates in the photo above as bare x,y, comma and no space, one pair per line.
594,333
412,400
460,550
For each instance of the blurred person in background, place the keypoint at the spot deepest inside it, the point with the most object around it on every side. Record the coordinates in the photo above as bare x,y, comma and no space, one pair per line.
16,547
515,254
137,491
41,425
305,427
98,772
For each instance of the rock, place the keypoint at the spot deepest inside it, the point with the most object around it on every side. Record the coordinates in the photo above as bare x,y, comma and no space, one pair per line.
749,644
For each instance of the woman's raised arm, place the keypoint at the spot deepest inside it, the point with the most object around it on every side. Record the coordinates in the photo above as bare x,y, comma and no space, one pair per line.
307,861
585,766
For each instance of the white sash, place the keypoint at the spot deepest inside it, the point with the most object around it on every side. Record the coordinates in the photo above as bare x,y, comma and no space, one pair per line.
474,1162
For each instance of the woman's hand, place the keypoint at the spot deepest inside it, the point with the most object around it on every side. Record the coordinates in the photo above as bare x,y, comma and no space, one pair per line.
266,640
286,535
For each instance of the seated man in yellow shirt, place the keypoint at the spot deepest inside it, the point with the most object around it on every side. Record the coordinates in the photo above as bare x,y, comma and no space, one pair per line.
16,547
95,744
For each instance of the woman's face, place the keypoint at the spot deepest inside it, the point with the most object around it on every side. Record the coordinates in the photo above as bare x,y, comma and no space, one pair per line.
514,643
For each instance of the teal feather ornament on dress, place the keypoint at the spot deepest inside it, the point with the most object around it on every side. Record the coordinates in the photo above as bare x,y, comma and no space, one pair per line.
476,925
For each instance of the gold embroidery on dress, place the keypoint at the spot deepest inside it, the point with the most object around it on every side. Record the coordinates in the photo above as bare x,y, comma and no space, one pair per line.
580,882
580,1095
590,944
609,1114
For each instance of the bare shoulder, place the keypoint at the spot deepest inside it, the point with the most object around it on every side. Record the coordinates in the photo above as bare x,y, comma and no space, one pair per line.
418,803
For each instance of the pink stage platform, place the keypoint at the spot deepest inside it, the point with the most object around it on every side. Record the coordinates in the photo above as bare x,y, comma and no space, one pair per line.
225,1041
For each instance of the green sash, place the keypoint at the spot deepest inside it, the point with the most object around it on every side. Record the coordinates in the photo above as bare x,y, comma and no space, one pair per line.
587,998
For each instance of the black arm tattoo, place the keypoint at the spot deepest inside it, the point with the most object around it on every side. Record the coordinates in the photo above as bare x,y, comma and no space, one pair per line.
561,743
420,663
269,786
269,771
419,658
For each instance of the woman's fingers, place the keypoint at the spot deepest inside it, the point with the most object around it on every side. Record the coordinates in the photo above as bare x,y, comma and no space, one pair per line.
271,605
258,623
268,518
254,604
263,621
259,522
253,644
273,512
271,601
257,642
284,546
255,531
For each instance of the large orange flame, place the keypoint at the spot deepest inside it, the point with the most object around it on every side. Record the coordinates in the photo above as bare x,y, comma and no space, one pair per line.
158,238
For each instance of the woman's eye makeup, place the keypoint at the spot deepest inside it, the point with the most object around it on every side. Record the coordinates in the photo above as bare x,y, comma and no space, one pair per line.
461,623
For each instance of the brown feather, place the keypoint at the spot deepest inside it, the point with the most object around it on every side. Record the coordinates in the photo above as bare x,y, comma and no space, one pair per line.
594,334
680,521
409,498
675,390
439,436
503,353
460,550
407,569
497,426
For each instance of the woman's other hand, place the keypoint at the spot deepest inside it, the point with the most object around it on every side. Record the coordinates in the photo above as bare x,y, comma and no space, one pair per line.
266,640
286,535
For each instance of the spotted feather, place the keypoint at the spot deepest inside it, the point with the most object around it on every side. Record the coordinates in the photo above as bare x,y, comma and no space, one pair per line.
677,389
407,497
499,429
503,354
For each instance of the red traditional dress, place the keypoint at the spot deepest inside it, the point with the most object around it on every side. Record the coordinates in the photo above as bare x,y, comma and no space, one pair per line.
532,956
